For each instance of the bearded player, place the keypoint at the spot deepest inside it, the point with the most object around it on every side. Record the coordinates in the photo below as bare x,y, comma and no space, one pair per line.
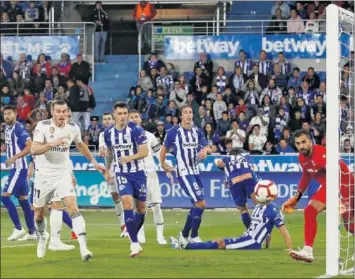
107,121
312,158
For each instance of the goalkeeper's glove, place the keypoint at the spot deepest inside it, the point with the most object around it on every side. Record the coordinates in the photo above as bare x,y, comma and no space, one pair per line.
289,205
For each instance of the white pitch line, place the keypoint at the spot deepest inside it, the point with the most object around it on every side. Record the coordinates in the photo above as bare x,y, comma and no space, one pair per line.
21,245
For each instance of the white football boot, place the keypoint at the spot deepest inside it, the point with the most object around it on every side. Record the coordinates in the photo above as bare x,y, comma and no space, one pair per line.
182,241
86,255
28,237
136,249
196,239
305,255
161,240
59,246
16,234
42,245
124,232
174,243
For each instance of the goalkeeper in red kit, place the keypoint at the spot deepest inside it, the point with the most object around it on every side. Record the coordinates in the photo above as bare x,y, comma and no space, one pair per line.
312,158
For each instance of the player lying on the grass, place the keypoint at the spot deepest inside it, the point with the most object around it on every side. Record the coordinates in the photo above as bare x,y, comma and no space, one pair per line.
51,143
18,144
265,216
312,158
107,121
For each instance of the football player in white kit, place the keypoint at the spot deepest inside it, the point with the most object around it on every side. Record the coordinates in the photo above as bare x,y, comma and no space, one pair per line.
51,143
153,187
107,121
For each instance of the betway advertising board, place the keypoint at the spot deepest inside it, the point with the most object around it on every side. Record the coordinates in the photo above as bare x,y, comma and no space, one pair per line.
305,46
285,171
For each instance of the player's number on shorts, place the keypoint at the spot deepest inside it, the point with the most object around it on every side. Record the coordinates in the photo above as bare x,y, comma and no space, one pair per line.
37,193
196,186
121,180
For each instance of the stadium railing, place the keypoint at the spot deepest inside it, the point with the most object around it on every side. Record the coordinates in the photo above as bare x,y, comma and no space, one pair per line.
84,30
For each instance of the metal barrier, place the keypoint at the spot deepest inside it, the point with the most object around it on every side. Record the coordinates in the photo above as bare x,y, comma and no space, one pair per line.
85,31
217,26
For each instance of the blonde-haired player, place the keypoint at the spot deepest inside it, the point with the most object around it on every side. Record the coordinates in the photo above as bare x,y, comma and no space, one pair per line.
153,187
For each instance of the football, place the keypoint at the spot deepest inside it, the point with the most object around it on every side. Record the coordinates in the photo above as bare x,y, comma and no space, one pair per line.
265,191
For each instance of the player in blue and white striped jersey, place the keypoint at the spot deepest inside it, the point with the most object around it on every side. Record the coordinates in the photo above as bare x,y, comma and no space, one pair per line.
18,144
127,144
190,146
241,180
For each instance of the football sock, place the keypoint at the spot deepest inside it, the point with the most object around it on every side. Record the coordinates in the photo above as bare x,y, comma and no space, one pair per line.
11,209
196,221
131,224
139,219
119,211
158,219
186,230
56,221
202,245
67,220
246,219
141,233
79,229
310,225
41,226
29,215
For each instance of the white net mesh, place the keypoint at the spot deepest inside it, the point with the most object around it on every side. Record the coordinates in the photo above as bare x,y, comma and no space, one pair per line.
346,121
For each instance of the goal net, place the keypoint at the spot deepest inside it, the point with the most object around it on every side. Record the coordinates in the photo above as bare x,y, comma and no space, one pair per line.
340,141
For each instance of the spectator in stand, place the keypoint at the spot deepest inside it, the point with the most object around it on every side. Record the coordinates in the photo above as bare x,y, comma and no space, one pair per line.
285,66
319,106
269,149
211,137
37,115
229,97
6,67
38,79
160,133
202,97
237,135
171,70
301,10
220,80
153,63
268,108
100,17
265,66
312,25
144,12
346,147
295,80
184,84
223,125
24,68
256,140
318,126
178,95
244,63
241,107
79,103
42,103
13,10
145,81
206,65
198,81
28,127
190,100
295,24
29,98
312,132
312,78
44,12
232,114
237,81
346,79
62,94
32,13
349,134
23,109
94,131
296,122
243,122
273,92
259,79
279,77
137,100
6,97
285,106
286,135
322,91
304,109
306,93
64,65
80,70
172,109
262,120
44,64
157,109
278,24
284,148
153,76
57,79
17,85
49,91
200,119
281,5
165,81
281,122
291,97
213,94
22,27
219,106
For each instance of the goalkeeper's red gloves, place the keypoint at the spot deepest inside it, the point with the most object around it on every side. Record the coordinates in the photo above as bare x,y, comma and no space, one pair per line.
289,205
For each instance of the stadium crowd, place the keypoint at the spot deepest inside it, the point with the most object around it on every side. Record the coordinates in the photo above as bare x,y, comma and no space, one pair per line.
256,108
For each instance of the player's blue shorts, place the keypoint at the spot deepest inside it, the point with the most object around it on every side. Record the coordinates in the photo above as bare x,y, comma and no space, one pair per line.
242,243
17,183
132,184
192,186
32,191
241,191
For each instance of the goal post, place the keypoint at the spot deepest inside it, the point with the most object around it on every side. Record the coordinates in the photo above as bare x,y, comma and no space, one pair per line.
339,29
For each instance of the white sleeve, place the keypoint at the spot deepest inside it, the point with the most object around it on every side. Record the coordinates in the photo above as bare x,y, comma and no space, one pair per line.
102,140
77,137
155,145
38,134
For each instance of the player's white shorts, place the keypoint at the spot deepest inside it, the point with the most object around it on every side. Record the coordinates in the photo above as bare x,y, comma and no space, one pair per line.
112,186
153,188
52,187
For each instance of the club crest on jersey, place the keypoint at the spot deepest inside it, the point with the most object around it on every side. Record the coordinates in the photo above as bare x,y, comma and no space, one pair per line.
51,130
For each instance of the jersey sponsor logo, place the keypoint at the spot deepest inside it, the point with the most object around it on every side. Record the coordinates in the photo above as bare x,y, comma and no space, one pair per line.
190,144
121,187
46,122
123,146
59,149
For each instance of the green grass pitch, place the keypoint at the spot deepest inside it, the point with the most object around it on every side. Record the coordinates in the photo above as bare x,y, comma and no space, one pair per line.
111,253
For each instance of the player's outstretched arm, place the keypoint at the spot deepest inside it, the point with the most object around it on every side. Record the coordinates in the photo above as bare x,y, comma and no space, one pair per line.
21,154
286,236
83,149
38,148
143,152
162,158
